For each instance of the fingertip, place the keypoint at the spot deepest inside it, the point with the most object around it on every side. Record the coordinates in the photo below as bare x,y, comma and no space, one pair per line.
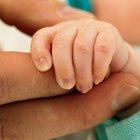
98,80
42,64
84,88
100,74
66,83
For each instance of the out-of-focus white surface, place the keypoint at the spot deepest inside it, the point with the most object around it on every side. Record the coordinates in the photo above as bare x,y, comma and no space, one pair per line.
13,40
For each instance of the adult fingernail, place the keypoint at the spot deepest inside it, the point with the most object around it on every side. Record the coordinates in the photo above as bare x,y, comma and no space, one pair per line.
127,96
42,64
66,11
66,83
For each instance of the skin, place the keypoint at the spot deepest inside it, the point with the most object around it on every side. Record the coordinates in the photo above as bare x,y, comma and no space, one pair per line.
13,119
51,114
47,118
124,15
24,83
89,53
28,15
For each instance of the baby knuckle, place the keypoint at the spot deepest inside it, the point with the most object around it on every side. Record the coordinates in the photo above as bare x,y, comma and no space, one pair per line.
86,23
108,37
82,48
103,49
89,21
59,41
110,28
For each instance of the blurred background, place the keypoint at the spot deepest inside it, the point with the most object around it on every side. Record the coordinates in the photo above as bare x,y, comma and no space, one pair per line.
13,40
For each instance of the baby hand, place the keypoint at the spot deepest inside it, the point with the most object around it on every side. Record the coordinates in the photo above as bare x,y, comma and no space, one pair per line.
82,52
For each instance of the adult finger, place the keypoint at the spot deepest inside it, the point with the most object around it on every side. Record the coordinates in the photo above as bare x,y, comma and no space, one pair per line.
40,14
20,80
59,116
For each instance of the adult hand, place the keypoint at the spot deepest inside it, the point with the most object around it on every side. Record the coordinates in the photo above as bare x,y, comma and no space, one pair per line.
31,15
20,80
51,118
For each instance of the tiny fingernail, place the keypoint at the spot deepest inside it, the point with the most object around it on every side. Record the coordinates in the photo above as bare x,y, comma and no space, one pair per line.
66,83
42,64
127,96
98,80
84,88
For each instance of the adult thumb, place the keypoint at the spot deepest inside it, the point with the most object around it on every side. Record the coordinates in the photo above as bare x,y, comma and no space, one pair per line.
71,113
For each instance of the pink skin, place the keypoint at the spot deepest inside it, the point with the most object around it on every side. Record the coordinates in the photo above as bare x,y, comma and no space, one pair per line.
42,13
81,52
124,15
